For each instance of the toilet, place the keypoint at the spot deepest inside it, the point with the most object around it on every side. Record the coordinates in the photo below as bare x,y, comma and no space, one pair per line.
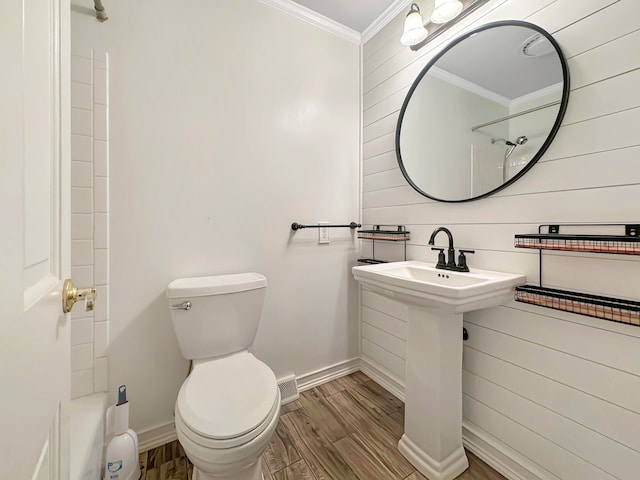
228,407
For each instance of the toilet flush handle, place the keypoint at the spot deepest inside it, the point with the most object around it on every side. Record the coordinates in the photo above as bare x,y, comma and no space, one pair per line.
181,306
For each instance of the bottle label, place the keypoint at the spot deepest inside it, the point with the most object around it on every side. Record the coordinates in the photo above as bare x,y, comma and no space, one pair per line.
113,467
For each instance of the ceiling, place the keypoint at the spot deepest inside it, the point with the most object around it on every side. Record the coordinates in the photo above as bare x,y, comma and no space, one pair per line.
355,14
504,70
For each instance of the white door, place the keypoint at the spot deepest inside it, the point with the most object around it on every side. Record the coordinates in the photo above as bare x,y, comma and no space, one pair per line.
34,239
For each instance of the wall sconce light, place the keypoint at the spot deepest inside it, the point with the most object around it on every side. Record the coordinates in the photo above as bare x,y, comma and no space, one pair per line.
414,31
446,10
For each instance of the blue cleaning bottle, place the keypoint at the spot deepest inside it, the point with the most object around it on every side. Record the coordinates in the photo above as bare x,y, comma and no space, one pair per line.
121,461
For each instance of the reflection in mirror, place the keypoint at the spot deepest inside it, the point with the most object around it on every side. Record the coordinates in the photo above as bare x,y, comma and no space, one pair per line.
482,112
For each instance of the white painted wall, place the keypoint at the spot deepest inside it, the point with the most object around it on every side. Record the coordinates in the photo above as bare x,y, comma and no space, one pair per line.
547,394
229,120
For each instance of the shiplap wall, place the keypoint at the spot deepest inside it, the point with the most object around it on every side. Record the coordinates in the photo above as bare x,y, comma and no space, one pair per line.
546,394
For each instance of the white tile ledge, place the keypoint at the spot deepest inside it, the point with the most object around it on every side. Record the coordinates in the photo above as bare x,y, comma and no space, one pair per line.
86,427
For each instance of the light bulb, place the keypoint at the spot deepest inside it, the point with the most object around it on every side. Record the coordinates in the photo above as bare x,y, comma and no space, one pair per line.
414,31
446,10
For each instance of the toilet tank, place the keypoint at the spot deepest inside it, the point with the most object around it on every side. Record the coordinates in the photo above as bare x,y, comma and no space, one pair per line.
216,315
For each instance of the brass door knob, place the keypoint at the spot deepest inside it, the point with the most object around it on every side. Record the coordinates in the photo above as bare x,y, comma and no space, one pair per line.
72,294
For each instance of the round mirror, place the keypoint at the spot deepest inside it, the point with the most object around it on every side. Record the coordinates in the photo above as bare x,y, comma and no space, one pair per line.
482,112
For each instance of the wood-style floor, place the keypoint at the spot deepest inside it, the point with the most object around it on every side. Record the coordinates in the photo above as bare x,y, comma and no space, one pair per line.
347,429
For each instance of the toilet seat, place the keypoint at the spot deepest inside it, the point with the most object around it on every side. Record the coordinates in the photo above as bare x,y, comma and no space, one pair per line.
227,402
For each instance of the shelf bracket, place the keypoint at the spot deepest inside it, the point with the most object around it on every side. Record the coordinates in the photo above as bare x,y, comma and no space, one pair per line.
632,230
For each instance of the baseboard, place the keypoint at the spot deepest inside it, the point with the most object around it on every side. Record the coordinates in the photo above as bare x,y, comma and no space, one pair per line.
499,456
383,377
327,374
157,436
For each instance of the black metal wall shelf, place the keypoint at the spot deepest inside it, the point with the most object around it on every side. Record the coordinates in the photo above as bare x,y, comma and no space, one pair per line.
627,244
606,308
385,233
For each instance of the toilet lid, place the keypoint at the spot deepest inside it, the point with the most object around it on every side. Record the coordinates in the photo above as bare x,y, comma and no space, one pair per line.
228,397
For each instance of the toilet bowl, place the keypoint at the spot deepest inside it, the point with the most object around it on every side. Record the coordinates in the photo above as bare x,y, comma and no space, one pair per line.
227,409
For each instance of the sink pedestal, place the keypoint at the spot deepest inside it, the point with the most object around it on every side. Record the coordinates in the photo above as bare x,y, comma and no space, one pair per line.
436,300
432,439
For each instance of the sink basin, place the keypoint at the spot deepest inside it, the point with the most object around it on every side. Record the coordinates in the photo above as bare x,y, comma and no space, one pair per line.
422,284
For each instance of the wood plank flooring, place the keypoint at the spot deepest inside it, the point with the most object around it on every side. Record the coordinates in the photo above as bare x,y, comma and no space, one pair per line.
347,429
167,462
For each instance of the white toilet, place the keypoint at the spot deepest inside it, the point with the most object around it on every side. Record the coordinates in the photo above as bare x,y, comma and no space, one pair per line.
228,407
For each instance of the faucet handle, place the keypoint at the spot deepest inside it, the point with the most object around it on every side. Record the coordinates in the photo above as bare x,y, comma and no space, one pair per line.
462,260
441,260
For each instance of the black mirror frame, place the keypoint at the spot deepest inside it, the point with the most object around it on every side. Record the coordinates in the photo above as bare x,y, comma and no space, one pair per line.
554,130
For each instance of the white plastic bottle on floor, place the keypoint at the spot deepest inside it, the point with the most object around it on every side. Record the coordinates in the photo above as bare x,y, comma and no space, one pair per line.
121,461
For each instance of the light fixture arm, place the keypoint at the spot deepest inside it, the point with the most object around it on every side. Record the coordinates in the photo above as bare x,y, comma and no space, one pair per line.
469,6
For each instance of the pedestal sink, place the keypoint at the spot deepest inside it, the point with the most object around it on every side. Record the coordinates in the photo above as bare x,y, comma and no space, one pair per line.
432,439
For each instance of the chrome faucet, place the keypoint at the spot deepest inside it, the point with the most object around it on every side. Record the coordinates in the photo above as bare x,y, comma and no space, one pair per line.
451,253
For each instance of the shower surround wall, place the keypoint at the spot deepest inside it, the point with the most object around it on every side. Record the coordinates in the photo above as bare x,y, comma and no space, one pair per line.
89,218
547,395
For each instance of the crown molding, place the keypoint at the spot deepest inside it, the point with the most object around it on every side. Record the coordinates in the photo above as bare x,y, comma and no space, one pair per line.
389,14
543,92
307,15
457,81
